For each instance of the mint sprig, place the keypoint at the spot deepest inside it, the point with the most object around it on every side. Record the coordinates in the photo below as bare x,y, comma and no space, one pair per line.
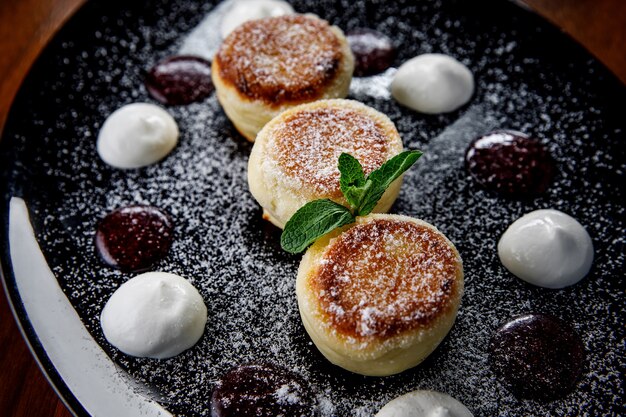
311,221
352,179
382,178
319,217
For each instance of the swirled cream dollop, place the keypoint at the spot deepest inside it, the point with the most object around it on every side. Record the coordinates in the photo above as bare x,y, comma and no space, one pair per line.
136,135
243,10
155,315
433,83
424,403
547,248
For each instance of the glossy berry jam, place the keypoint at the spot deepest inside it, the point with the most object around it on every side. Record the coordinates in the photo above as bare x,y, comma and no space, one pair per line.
373,52
134,238
538,356
510,163
180,80
262,390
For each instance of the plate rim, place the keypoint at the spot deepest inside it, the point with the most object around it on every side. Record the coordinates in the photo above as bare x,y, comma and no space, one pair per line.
7,277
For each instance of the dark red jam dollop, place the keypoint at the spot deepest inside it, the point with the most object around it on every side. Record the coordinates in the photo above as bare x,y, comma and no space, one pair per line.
262,390
373,52
180,80
510,163
538,356
134,238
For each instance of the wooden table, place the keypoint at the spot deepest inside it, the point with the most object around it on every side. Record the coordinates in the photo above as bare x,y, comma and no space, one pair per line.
26,26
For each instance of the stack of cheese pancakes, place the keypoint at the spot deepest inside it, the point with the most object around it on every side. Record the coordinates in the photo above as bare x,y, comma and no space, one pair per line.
376,296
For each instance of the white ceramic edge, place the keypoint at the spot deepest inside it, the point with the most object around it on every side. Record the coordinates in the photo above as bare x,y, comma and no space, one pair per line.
82,364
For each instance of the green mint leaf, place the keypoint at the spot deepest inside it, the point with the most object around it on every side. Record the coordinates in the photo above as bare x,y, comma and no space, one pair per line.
319,217
382,178
352,179
311,221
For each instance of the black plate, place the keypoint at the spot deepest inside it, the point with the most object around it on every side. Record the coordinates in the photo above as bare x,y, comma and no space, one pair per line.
529,77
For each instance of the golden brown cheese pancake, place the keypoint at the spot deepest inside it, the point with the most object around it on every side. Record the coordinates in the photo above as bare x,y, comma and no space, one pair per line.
378,296
295,157
268,65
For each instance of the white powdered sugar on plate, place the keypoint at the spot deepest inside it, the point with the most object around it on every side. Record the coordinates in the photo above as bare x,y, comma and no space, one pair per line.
233,257
205,39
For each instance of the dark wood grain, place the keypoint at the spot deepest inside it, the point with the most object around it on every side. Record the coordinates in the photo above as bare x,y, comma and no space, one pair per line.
24,392
599,25
25,28
27,25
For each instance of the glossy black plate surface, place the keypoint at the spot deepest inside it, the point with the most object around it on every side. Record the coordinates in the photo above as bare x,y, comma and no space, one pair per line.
529,77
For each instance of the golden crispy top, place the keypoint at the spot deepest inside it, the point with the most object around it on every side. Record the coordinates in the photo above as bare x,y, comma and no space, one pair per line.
384,277
281,59
307,144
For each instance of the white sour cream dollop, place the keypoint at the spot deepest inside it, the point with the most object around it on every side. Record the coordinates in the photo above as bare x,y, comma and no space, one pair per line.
244,10
424,404
547,248
433,83
137,135
155,315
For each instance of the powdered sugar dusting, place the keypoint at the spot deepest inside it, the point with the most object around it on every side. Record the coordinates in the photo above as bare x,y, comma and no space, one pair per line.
205,39
307,145
262,389
384,277
284,58
288,394
223,247
375,86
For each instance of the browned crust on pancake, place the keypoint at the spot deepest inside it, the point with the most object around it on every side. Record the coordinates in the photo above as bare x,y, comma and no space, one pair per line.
278,60
385,277
309,142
